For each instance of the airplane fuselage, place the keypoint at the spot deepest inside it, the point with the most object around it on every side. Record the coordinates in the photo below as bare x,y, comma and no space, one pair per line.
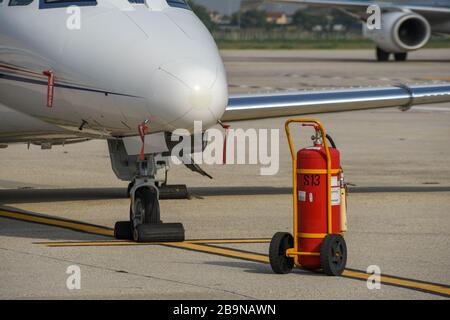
124,64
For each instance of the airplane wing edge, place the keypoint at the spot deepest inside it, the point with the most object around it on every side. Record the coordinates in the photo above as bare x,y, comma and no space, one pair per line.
363,5
251,107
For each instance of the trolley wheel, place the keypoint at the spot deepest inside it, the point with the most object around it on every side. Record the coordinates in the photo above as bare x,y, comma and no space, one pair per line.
281,264
123,230
333,255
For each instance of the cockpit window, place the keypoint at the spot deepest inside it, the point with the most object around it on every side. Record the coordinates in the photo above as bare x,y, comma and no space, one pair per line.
13,3
68,1
48,4
178,4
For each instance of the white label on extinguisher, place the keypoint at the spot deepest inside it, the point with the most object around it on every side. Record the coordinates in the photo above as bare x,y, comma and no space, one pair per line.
335,196
302,196
334,181
314,148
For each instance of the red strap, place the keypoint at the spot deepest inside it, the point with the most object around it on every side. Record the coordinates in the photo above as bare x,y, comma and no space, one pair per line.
315,126
226,127
50,87
142,128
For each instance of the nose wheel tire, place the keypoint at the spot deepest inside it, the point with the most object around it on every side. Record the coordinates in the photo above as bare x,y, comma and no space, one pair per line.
145,220
162,232
279,262
333,255
123,230
146,210
146,207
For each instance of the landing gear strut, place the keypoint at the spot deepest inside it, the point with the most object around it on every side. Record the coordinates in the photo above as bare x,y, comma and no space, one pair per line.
145,224
383,55
401,56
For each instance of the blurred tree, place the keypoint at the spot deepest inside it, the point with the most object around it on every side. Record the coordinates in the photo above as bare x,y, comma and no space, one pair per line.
326,18
308,21
250,19
340,17
203,14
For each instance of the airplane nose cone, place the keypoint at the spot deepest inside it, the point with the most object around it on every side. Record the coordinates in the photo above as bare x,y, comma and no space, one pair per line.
188,91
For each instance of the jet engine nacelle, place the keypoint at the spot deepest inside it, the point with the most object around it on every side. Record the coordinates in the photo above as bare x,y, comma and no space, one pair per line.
400,32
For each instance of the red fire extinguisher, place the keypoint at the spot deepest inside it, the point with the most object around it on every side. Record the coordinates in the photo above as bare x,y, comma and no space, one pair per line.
319,208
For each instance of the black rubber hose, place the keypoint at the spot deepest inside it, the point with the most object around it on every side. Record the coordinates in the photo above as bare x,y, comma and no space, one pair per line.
331,141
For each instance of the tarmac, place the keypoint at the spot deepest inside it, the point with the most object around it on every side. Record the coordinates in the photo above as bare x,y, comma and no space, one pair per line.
57,207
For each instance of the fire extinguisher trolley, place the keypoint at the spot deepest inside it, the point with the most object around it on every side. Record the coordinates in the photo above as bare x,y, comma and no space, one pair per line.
319,208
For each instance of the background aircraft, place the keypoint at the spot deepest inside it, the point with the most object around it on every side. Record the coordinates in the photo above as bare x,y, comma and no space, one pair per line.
406,25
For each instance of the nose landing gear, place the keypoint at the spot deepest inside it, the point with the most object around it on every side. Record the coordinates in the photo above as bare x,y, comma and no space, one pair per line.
145,224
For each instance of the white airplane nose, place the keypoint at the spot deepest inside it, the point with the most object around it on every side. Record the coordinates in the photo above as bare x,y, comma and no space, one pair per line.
188,91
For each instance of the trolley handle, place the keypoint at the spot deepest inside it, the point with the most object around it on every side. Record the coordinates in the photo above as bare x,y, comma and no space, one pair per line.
307,122
315,126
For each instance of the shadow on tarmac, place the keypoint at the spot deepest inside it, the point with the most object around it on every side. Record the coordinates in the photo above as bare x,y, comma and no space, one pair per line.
23,229
258,267
60,195
57,195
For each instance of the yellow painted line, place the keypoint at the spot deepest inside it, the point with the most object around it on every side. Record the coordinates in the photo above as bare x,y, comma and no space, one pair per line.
131,243
231,253
405,283
201,246
96,244
219,241
443,78
99,230
73,225
220,251
182,245
387,280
